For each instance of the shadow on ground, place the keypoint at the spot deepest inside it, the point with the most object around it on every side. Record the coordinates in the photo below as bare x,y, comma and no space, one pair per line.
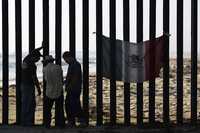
40,129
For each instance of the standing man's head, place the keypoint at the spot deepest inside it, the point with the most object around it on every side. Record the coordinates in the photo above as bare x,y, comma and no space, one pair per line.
35,56
67,56
48,59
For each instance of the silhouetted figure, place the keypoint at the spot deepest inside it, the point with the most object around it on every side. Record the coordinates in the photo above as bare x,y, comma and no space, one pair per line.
53,76
73,89
28,83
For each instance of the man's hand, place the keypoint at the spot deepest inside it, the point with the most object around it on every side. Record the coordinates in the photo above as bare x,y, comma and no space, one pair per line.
44,44
39,91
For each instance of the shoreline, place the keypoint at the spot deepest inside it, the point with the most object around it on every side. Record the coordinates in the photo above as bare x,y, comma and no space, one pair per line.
172,60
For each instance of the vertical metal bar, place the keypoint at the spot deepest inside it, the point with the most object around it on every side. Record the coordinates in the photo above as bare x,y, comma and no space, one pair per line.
126,34
58,45
72,27
46,41
112,60
139,85
99,62
46,26
180,61
194,49
5,59
166,64
31,25
18,28
86,59
152,35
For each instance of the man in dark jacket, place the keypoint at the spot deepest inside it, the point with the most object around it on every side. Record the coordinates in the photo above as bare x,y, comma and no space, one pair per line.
73,89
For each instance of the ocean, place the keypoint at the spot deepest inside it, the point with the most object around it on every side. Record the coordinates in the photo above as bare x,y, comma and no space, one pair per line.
12,67
92,64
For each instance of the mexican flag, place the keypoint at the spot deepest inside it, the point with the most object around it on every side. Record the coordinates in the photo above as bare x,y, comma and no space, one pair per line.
134,62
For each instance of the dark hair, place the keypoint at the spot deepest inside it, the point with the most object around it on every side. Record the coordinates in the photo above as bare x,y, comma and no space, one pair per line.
67,54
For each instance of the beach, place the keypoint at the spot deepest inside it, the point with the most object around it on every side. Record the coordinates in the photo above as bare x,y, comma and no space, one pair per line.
120,98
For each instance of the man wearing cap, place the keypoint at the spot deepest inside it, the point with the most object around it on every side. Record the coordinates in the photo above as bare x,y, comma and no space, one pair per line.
28,82
53,76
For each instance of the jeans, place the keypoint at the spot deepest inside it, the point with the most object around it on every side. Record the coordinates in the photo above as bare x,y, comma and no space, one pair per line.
73,109
28,105
59,112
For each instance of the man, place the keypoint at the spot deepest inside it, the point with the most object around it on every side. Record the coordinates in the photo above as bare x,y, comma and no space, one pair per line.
73,89
53,76
28,83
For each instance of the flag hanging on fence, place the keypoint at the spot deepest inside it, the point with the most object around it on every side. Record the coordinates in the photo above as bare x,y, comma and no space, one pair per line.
134,62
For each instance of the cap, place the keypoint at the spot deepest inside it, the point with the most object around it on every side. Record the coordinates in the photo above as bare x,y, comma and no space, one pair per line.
48,58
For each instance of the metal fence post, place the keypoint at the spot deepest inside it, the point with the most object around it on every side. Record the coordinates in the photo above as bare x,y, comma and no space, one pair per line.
126,34
58,45
180,61
152,35
31,25
5,60
86,59
18,28
46,41
112,60
72,27
99,62
194,51
139,85
166,64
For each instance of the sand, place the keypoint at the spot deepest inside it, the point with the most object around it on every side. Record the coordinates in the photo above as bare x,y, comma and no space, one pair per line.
120,98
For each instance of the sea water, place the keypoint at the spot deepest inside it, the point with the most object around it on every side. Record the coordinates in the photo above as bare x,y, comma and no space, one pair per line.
12,66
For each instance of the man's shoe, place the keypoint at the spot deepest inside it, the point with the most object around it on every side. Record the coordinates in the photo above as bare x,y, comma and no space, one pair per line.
47,126
70,125
83,125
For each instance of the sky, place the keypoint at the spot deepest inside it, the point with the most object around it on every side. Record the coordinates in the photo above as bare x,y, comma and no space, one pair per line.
92,21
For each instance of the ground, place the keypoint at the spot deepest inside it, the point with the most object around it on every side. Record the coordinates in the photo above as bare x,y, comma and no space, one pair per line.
40,129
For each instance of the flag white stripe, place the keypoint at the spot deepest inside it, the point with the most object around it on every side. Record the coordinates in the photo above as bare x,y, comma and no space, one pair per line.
130,59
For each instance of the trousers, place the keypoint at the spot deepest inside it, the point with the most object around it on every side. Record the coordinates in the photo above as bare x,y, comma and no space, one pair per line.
60,120
28,105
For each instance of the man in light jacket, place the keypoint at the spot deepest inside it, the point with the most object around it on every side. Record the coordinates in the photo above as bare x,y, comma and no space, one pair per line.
53,76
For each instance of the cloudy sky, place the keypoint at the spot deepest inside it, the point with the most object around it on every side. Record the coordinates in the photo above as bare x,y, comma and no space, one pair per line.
119,27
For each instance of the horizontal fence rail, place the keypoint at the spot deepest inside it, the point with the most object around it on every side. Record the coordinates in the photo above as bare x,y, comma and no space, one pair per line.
97,113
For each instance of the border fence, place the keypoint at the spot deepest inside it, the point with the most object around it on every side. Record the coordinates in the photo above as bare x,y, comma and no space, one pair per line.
99,79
